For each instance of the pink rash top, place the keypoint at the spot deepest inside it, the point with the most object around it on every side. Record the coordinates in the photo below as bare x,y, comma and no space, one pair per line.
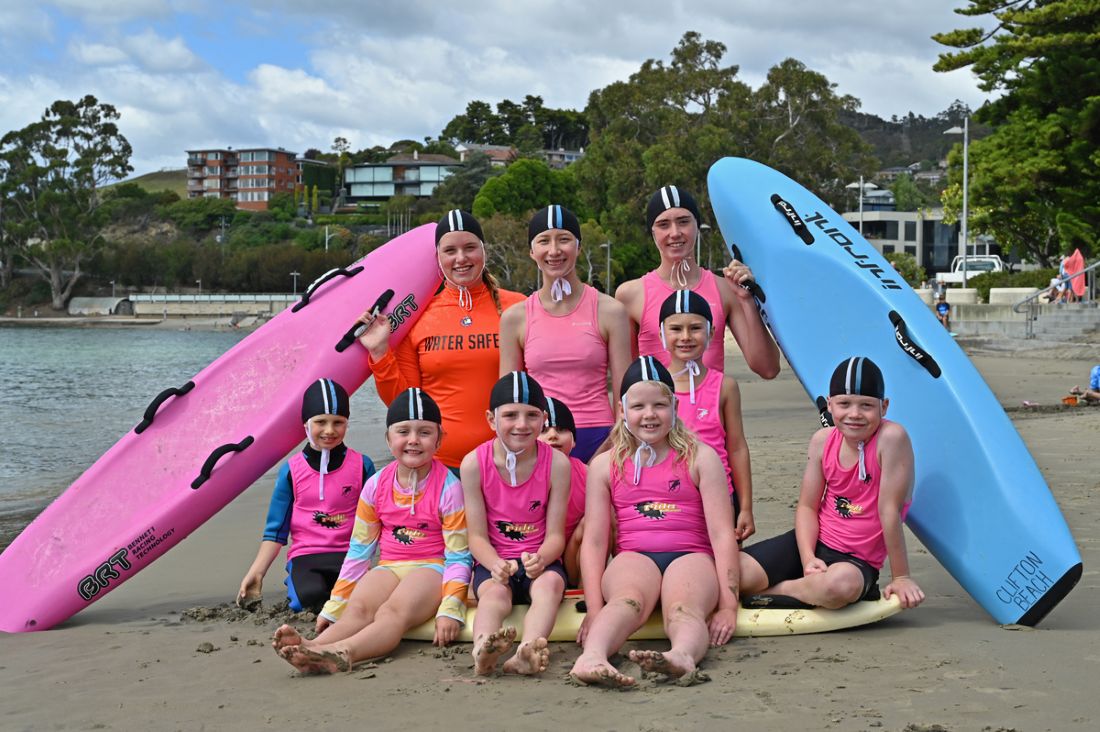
324,524
578,476
568,357
516,515
704,417
664,513
649,330
848,517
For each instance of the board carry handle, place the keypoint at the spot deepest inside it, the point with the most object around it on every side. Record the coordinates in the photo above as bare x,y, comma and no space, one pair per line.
359,328
752,286
791,216
331,274
823,412
215,456
911,347
151,410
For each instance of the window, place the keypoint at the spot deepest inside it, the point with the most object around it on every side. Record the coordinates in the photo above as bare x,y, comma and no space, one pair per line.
887,248
214,156
212,170
911,250
910,231
212,183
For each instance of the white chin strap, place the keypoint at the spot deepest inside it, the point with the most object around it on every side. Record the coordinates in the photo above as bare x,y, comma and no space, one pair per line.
645,455
324,460
414,480
560,290
680,272
510,463
691,368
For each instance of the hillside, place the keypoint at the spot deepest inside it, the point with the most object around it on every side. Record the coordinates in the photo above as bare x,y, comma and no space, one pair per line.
171,180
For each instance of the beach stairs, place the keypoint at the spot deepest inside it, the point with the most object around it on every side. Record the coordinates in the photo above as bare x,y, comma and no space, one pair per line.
1070,322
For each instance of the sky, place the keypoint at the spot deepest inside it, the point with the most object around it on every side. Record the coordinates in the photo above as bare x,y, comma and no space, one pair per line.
190,74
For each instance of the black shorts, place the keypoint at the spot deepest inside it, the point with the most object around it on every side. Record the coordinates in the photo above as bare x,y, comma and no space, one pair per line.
310,579
780,559
519,583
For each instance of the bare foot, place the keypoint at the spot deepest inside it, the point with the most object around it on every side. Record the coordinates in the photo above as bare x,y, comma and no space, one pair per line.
490,649
1076,391
671,663
598,672
286,635
530,659
309,661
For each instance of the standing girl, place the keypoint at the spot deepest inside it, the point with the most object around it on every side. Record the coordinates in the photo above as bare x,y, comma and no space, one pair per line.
675,540
567,334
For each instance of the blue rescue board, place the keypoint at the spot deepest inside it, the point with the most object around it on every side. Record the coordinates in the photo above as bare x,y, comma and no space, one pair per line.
980,504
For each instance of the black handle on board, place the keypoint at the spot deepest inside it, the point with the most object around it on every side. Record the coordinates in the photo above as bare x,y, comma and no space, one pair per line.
823,412
756,290
359,328
215,456
911,347
331,274
151,410
791,216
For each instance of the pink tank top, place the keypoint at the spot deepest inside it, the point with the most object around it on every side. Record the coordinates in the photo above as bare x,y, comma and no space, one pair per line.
516,515
664,513
575,512
848,516
410,532
649,330
568,357
324,525
704,417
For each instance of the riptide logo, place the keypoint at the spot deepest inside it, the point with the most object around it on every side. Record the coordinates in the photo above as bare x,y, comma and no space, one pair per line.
860,260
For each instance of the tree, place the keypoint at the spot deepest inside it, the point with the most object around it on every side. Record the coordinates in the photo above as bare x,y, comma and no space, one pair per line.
908,267
341,147
508,253
1035,181
526,185
51,173
459,189
907,197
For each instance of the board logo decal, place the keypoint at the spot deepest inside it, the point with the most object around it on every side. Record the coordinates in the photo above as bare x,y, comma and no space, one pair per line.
402,311
860,260
796,222
103,575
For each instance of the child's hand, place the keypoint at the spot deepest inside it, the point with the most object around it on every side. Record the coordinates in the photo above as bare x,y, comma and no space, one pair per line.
503,569
721,626
446,630
376,338
814,566
746,527
907,591
251,588
532,564
322,623
586,625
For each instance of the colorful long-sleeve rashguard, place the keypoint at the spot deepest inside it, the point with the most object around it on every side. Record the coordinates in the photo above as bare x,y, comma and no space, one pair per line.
397,527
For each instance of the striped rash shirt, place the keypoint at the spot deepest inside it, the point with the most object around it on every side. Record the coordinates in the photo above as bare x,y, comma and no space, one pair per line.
393,528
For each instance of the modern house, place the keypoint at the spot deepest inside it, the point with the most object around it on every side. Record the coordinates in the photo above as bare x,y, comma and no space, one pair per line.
561,157
250,176
499,155
405,174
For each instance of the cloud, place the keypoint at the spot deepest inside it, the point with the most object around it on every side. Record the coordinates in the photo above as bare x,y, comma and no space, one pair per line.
97,54
161,54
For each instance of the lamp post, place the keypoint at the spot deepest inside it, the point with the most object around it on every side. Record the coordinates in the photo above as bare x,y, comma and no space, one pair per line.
112,289
199,283
607,282
704,229
862,187
965,132
295,275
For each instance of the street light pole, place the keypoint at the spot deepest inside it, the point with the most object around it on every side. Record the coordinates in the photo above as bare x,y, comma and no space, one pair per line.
703,230
862,188
963,233
607,282
199,283
295,275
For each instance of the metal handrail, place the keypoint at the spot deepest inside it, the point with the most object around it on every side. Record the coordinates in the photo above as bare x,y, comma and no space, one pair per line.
1032,300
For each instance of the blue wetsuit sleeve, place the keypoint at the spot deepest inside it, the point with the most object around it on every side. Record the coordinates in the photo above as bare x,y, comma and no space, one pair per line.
368,468
277,527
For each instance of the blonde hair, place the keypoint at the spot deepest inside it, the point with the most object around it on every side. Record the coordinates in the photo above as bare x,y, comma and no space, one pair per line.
493,286
623,444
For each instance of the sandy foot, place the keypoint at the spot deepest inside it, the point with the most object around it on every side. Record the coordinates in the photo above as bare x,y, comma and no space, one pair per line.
286,635
309,661
599,673
670,663
490,649
530,659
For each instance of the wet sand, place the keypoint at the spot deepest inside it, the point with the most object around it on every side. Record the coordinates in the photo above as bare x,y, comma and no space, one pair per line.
140,659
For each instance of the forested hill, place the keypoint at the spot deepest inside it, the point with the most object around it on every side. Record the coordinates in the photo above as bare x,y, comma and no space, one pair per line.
912,138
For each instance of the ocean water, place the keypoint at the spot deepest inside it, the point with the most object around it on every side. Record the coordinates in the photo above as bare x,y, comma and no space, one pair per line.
68,394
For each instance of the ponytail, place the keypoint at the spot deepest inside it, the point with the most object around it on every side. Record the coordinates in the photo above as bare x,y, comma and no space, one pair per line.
493,286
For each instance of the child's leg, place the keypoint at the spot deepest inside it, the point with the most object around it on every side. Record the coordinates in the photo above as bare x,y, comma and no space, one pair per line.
365,600
840,585
533,654
494,602
689,593
631,586
414,601
753,577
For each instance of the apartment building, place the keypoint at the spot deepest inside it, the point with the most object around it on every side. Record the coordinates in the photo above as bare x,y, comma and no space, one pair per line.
249,176
405,174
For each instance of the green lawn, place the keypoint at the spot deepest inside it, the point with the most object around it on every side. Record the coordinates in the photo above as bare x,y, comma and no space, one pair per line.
172,180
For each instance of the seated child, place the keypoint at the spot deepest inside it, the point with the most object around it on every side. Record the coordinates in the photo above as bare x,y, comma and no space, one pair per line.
412,513
708,401
943,311
1092,393
675,541
517,490
317,522
855,493
558,433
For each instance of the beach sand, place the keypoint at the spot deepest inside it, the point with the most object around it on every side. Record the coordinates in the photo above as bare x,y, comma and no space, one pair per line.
133,660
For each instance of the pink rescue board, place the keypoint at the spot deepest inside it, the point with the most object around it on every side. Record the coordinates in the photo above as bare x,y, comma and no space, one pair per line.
200,446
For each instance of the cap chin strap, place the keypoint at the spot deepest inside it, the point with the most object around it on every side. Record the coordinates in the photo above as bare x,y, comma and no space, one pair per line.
324,460
510,462
414,480
561,289
645,452
680,272
691,368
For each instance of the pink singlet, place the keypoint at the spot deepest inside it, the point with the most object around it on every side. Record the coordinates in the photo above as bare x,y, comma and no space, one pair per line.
578,475
704,417
516,516
649,330
848,517
324,524
410,532
568,357
664,513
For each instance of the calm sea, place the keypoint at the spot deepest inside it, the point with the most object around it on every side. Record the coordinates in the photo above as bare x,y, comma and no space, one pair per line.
68,394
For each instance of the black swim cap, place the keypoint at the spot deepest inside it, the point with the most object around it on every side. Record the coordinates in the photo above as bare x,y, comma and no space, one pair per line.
553,217
857,376
413,404
325,396
646,368
666,198
686,301
517,388
558,416
457,220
